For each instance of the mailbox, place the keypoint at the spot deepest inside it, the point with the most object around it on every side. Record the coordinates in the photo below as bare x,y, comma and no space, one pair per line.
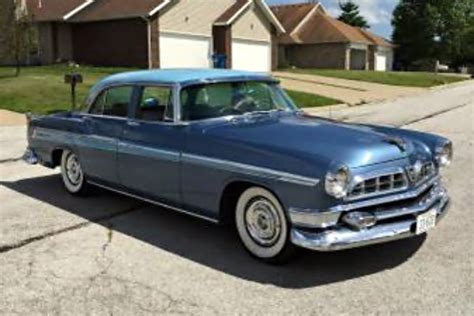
73,78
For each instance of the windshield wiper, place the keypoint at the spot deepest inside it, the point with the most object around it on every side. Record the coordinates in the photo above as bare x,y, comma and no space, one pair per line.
252,113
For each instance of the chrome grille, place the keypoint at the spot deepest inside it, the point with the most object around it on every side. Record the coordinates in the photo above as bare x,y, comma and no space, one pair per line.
379,184
427,171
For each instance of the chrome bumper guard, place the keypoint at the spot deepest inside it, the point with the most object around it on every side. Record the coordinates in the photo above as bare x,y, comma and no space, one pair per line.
341,236
30,157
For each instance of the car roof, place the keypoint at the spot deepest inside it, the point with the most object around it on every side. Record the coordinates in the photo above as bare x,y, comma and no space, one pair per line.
183,76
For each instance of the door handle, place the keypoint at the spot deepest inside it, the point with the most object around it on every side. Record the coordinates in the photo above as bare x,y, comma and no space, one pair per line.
133,124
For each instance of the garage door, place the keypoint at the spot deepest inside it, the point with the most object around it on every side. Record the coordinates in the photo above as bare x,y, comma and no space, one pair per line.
252,56
180,51
381,62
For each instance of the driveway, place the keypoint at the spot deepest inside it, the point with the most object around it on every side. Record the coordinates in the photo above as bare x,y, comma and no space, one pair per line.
108,254
349,91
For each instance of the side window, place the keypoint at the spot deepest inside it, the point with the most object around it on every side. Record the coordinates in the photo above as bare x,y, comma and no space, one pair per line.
113,102
156,104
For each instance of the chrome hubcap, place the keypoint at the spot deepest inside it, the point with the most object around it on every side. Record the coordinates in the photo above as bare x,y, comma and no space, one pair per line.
262,222
73,170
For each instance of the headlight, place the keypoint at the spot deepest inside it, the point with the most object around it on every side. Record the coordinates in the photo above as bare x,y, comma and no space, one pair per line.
444,154
337,182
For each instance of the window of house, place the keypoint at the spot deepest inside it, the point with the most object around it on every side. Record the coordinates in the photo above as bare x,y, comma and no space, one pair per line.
156,104
113,102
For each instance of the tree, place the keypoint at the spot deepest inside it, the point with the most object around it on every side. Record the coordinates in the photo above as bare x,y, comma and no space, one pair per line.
431,30
17,32
351,15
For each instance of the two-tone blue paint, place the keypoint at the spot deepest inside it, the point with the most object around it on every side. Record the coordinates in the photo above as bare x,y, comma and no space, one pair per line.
188,165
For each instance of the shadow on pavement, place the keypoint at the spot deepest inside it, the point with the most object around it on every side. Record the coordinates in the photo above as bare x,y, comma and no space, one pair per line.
218,247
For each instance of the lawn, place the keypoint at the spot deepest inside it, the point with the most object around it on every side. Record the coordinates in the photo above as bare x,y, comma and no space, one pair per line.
410,79
42,90
308,100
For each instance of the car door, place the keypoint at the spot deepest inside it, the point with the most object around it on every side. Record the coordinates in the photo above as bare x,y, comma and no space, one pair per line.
149,151
104,125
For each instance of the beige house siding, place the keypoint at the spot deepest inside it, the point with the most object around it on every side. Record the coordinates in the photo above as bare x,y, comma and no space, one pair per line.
252,26
193,16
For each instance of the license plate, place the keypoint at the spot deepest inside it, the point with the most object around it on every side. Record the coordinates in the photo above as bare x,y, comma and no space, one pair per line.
425,222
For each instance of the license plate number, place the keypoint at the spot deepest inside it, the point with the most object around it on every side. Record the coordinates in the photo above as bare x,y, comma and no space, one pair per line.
425,222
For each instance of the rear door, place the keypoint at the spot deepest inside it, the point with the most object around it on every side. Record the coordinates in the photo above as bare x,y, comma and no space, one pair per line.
150,147
104,123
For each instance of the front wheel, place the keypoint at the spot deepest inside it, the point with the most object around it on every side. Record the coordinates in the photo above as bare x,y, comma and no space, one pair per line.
72,174
262,225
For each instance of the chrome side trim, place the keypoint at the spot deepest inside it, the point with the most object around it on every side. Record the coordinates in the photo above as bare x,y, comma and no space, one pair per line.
48,134
345,238
249,170
150,152
206,218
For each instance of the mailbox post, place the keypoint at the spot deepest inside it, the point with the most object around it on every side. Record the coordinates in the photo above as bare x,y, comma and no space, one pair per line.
73,79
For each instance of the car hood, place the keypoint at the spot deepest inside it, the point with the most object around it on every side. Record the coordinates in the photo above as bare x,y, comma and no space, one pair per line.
302,135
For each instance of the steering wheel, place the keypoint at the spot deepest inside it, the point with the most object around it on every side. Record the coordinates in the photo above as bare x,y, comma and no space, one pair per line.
229,111
246,105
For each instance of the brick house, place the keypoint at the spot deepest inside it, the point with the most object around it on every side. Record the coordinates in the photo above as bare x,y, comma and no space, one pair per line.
314,39
157,33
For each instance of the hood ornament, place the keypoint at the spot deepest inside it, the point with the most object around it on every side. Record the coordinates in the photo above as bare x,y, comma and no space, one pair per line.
399,142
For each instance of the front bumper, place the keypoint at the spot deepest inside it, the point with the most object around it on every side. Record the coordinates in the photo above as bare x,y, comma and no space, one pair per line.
394,223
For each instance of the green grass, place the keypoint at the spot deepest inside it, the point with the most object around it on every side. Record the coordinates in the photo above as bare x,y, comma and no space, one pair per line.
308,100
42,90
410,79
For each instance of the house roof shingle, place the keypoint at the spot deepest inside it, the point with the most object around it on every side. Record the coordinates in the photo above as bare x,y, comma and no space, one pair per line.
231,11
329,30
291,15
319,27
378,40
230,15
51,10
116,9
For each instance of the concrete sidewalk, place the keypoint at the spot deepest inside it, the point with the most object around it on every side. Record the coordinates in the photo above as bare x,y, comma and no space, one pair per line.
9,118
404,111
349,91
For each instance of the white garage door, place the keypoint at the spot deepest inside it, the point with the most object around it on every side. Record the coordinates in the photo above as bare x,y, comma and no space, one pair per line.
179,51
252,56
381,62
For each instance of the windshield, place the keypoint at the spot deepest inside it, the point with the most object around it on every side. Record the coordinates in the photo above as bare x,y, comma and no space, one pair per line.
232,98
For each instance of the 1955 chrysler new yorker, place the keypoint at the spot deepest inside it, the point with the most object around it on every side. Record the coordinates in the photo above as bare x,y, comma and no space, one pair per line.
230,146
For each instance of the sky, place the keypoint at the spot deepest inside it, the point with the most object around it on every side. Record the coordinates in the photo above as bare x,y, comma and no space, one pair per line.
377,12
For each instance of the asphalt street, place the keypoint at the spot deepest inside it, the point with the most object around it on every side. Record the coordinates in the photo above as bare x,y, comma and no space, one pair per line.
109,254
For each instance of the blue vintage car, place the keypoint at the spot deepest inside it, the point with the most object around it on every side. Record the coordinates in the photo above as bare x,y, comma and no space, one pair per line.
232,147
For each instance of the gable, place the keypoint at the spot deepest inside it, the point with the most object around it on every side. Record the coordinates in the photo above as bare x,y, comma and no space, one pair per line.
193,16
252,25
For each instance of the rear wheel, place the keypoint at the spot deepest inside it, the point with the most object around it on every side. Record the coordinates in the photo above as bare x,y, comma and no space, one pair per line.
262,225
72,174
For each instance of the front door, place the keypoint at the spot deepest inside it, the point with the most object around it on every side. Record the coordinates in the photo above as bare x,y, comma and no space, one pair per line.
104,123
150,148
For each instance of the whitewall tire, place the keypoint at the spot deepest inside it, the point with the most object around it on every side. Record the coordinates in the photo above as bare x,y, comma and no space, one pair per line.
262,225
72,173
